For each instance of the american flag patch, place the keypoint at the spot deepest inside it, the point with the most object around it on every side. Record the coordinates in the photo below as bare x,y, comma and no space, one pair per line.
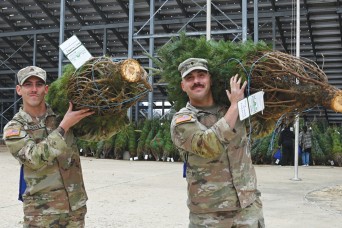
184,118
12,132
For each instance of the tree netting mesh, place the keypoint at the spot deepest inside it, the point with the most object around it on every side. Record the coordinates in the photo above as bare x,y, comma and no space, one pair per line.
291,84
106,87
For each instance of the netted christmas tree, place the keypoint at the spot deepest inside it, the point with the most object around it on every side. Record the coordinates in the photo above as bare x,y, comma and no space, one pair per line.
106,87
290,84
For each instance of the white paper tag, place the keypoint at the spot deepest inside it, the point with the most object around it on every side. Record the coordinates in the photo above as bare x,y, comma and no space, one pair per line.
251,105
75,51
79,56
256,102
243,109
70,45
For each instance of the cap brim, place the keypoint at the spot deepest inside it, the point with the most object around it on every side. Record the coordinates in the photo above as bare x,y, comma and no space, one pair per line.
185,73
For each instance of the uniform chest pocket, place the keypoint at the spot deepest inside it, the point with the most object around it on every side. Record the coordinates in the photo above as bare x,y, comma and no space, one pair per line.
38,134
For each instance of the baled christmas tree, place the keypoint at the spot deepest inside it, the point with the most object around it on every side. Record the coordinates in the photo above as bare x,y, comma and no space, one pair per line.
106,87
290,84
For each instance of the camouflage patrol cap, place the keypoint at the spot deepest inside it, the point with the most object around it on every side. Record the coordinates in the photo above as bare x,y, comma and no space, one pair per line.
192,64
29,71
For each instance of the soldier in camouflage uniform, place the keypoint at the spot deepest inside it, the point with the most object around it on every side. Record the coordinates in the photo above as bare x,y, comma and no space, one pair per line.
55,195
222,186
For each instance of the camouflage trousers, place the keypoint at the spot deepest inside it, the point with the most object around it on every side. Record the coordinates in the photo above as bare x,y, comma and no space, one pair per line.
74,219
249,217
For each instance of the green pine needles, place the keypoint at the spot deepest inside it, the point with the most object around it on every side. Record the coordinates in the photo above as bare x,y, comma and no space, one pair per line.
225,59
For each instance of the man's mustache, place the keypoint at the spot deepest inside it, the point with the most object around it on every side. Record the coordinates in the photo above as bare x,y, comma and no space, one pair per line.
197,85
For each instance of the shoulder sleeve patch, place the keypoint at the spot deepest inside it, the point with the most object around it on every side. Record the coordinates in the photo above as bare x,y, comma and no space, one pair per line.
10,132
183,119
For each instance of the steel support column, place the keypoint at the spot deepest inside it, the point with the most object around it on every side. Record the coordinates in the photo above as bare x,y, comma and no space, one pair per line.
34,56
244,20
130,44
273,33
104,47
61,38
208,36
150,63
256,21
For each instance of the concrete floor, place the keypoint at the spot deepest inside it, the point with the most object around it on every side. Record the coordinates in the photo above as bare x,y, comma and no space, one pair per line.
153,194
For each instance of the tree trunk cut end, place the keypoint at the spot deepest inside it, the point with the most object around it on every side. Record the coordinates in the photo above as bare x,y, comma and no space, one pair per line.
336,102
131,70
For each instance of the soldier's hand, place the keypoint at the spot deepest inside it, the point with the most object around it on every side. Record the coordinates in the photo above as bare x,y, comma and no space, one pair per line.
73,117
236,92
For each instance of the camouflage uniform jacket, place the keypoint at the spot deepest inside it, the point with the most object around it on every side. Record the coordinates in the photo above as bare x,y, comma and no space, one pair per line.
52,168
220,173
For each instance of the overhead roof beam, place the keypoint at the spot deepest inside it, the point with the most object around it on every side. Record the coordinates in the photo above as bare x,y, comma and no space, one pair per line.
310,30
10,42
49,14
185,20
219,24
5,56
280,29
123,7
15,48
123,24
216,32
165,27
81,21
185,13
182,8
47,11
126,10
29,32
339,11
6,72
10,23
23,12
104,17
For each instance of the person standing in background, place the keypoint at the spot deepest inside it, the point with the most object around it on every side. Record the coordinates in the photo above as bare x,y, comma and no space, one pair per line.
286,142
306,144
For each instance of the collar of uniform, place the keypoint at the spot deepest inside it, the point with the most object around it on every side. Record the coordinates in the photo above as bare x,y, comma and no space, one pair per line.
29,119
216,108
